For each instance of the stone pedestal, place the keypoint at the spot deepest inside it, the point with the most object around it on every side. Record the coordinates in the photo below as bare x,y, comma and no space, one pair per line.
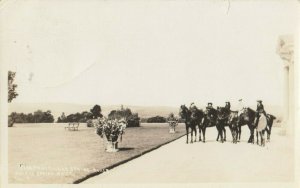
111,146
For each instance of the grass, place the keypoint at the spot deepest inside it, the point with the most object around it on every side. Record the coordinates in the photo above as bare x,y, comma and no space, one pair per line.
46,153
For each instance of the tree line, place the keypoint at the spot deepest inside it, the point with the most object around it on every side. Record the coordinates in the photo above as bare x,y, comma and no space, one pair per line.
40,116
36,117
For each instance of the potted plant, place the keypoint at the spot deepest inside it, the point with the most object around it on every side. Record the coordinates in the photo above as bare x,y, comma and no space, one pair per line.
110,130
173,122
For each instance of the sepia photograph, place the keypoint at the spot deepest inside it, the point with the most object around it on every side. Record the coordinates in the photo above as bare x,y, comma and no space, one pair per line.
169,92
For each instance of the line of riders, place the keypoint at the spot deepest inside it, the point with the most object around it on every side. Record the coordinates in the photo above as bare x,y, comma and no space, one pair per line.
223,117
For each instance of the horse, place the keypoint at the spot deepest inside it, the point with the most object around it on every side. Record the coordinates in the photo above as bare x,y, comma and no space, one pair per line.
186,114
197,116
247,118
261,128
209,120
226,117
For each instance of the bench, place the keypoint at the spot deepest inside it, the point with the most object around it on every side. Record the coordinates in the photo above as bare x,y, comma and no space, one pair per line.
72,126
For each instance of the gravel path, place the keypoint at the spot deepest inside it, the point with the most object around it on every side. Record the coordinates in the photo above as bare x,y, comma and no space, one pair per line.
212,161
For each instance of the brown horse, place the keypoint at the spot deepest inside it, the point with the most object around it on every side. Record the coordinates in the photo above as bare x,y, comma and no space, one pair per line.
226,118
185,114
197,117
209,120
247,118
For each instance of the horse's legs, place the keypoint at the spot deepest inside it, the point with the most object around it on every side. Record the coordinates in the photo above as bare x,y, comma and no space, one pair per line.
187,134
218,134
203,132
224,134
221,134
263,137
252,136
192,130
249,140
199,132
195,129
256,137
268,134
235,133
239,132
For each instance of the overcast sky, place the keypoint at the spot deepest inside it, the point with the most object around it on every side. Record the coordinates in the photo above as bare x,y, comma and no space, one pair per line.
146,53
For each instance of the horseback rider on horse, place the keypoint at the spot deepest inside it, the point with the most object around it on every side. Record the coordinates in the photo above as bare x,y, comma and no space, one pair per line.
210,111
259,110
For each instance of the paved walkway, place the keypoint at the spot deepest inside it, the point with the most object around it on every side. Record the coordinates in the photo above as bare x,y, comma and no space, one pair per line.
178,162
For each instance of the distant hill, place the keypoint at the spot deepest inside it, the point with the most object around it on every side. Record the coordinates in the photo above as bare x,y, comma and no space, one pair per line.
143,111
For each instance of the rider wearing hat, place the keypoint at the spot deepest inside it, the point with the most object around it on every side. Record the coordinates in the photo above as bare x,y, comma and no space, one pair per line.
209,105
227,105
192,105
241,107
259,109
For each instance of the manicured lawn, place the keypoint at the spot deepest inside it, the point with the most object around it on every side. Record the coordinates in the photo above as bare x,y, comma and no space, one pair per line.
46,153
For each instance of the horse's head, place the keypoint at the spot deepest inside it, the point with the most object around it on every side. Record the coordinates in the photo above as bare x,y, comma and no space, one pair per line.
233,118
184,112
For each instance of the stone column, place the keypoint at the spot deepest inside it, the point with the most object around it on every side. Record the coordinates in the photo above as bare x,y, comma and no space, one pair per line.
286,93
285,51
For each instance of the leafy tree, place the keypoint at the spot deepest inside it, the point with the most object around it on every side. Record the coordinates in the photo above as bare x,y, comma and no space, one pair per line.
11,87
96,111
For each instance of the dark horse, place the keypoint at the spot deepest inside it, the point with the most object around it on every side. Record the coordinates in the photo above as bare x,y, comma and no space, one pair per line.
197,116
192,118
247,118
226,117
209,120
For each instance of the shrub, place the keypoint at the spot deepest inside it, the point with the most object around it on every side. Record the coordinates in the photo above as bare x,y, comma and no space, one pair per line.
156,119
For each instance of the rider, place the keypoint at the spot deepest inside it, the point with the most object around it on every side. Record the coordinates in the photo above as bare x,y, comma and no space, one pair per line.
241,107
209,107
227,105
259,109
